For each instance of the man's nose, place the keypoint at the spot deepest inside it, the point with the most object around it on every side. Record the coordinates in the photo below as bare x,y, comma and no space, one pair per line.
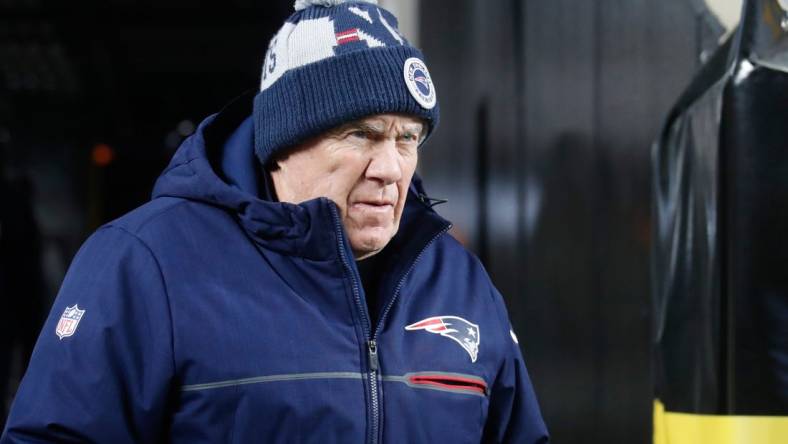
384,165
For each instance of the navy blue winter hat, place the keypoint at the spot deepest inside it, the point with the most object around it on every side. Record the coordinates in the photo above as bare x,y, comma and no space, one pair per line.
332,62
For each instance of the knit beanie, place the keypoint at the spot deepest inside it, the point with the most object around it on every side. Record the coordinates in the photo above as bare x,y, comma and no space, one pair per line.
333,62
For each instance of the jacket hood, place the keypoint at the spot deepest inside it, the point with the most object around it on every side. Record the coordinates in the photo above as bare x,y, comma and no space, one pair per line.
216,166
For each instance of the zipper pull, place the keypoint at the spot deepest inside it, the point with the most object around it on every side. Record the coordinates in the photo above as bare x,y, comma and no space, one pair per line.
373,355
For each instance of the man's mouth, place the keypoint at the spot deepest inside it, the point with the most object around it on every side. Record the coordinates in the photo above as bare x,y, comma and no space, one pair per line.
373,205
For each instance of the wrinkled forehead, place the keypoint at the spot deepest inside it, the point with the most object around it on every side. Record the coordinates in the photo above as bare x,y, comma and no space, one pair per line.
387,123
380,125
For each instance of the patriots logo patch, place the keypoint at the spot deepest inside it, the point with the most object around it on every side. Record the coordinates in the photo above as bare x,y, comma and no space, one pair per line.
455,328
419,82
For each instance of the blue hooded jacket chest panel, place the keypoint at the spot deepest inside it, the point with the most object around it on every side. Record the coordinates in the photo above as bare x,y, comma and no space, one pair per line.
213,316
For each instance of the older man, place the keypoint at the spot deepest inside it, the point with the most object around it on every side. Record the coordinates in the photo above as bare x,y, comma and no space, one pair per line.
289,281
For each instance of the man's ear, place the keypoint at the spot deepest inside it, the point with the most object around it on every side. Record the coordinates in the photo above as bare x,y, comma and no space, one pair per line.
274,162
272,165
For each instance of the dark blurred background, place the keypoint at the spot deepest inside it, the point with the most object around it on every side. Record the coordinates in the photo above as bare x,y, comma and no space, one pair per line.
549,110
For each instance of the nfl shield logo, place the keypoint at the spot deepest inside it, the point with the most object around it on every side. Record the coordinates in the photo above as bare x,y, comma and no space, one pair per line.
69,321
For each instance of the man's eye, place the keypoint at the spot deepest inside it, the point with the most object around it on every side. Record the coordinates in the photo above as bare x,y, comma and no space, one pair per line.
359,134
409,137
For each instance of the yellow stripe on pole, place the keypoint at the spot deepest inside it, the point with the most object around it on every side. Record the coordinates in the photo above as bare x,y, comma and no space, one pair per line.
690,428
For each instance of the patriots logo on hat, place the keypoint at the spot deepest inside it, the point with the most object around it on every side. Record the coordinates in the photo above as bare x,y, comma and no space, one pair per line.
455,328
422,82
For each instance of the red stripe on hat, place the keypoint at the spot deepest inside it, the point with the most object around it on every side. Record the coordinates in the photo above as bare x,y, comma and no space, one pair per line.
347,33
350,35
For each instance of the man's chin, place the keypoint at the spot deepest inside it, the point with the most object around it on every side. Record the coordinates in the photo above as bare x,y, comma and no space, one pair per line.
365,245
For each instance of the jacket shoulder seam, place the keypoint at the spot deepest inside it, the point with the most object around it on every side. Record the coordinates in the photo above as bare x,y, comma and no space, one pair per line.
161,278
496,299
473,259
185,162
141,225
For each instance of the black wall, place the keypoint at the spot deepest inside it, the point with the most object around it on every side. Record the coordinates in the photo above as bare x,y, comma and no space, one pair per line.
121,73
549,110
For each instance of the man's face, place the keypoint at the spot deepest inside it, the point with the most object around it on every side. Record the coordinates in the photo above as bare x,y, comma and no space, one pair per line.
365,167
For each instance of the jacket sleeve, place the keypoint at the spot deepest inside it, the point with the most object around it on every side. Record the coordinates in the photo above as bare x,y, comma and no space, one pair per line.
514,415
105,376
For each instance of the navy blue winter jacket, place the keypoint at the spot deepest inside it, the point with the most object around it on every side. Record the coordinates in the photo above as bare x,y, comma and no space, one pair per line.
211,315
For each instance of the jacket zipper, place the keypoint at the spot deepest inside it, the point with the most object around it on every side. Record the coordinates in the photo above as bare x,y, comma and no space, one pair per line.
366,326
372,345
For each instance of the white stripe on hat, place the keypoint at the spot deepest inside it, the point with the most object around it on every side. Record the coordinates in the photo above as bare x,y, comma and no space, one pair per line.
391,30
361,13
